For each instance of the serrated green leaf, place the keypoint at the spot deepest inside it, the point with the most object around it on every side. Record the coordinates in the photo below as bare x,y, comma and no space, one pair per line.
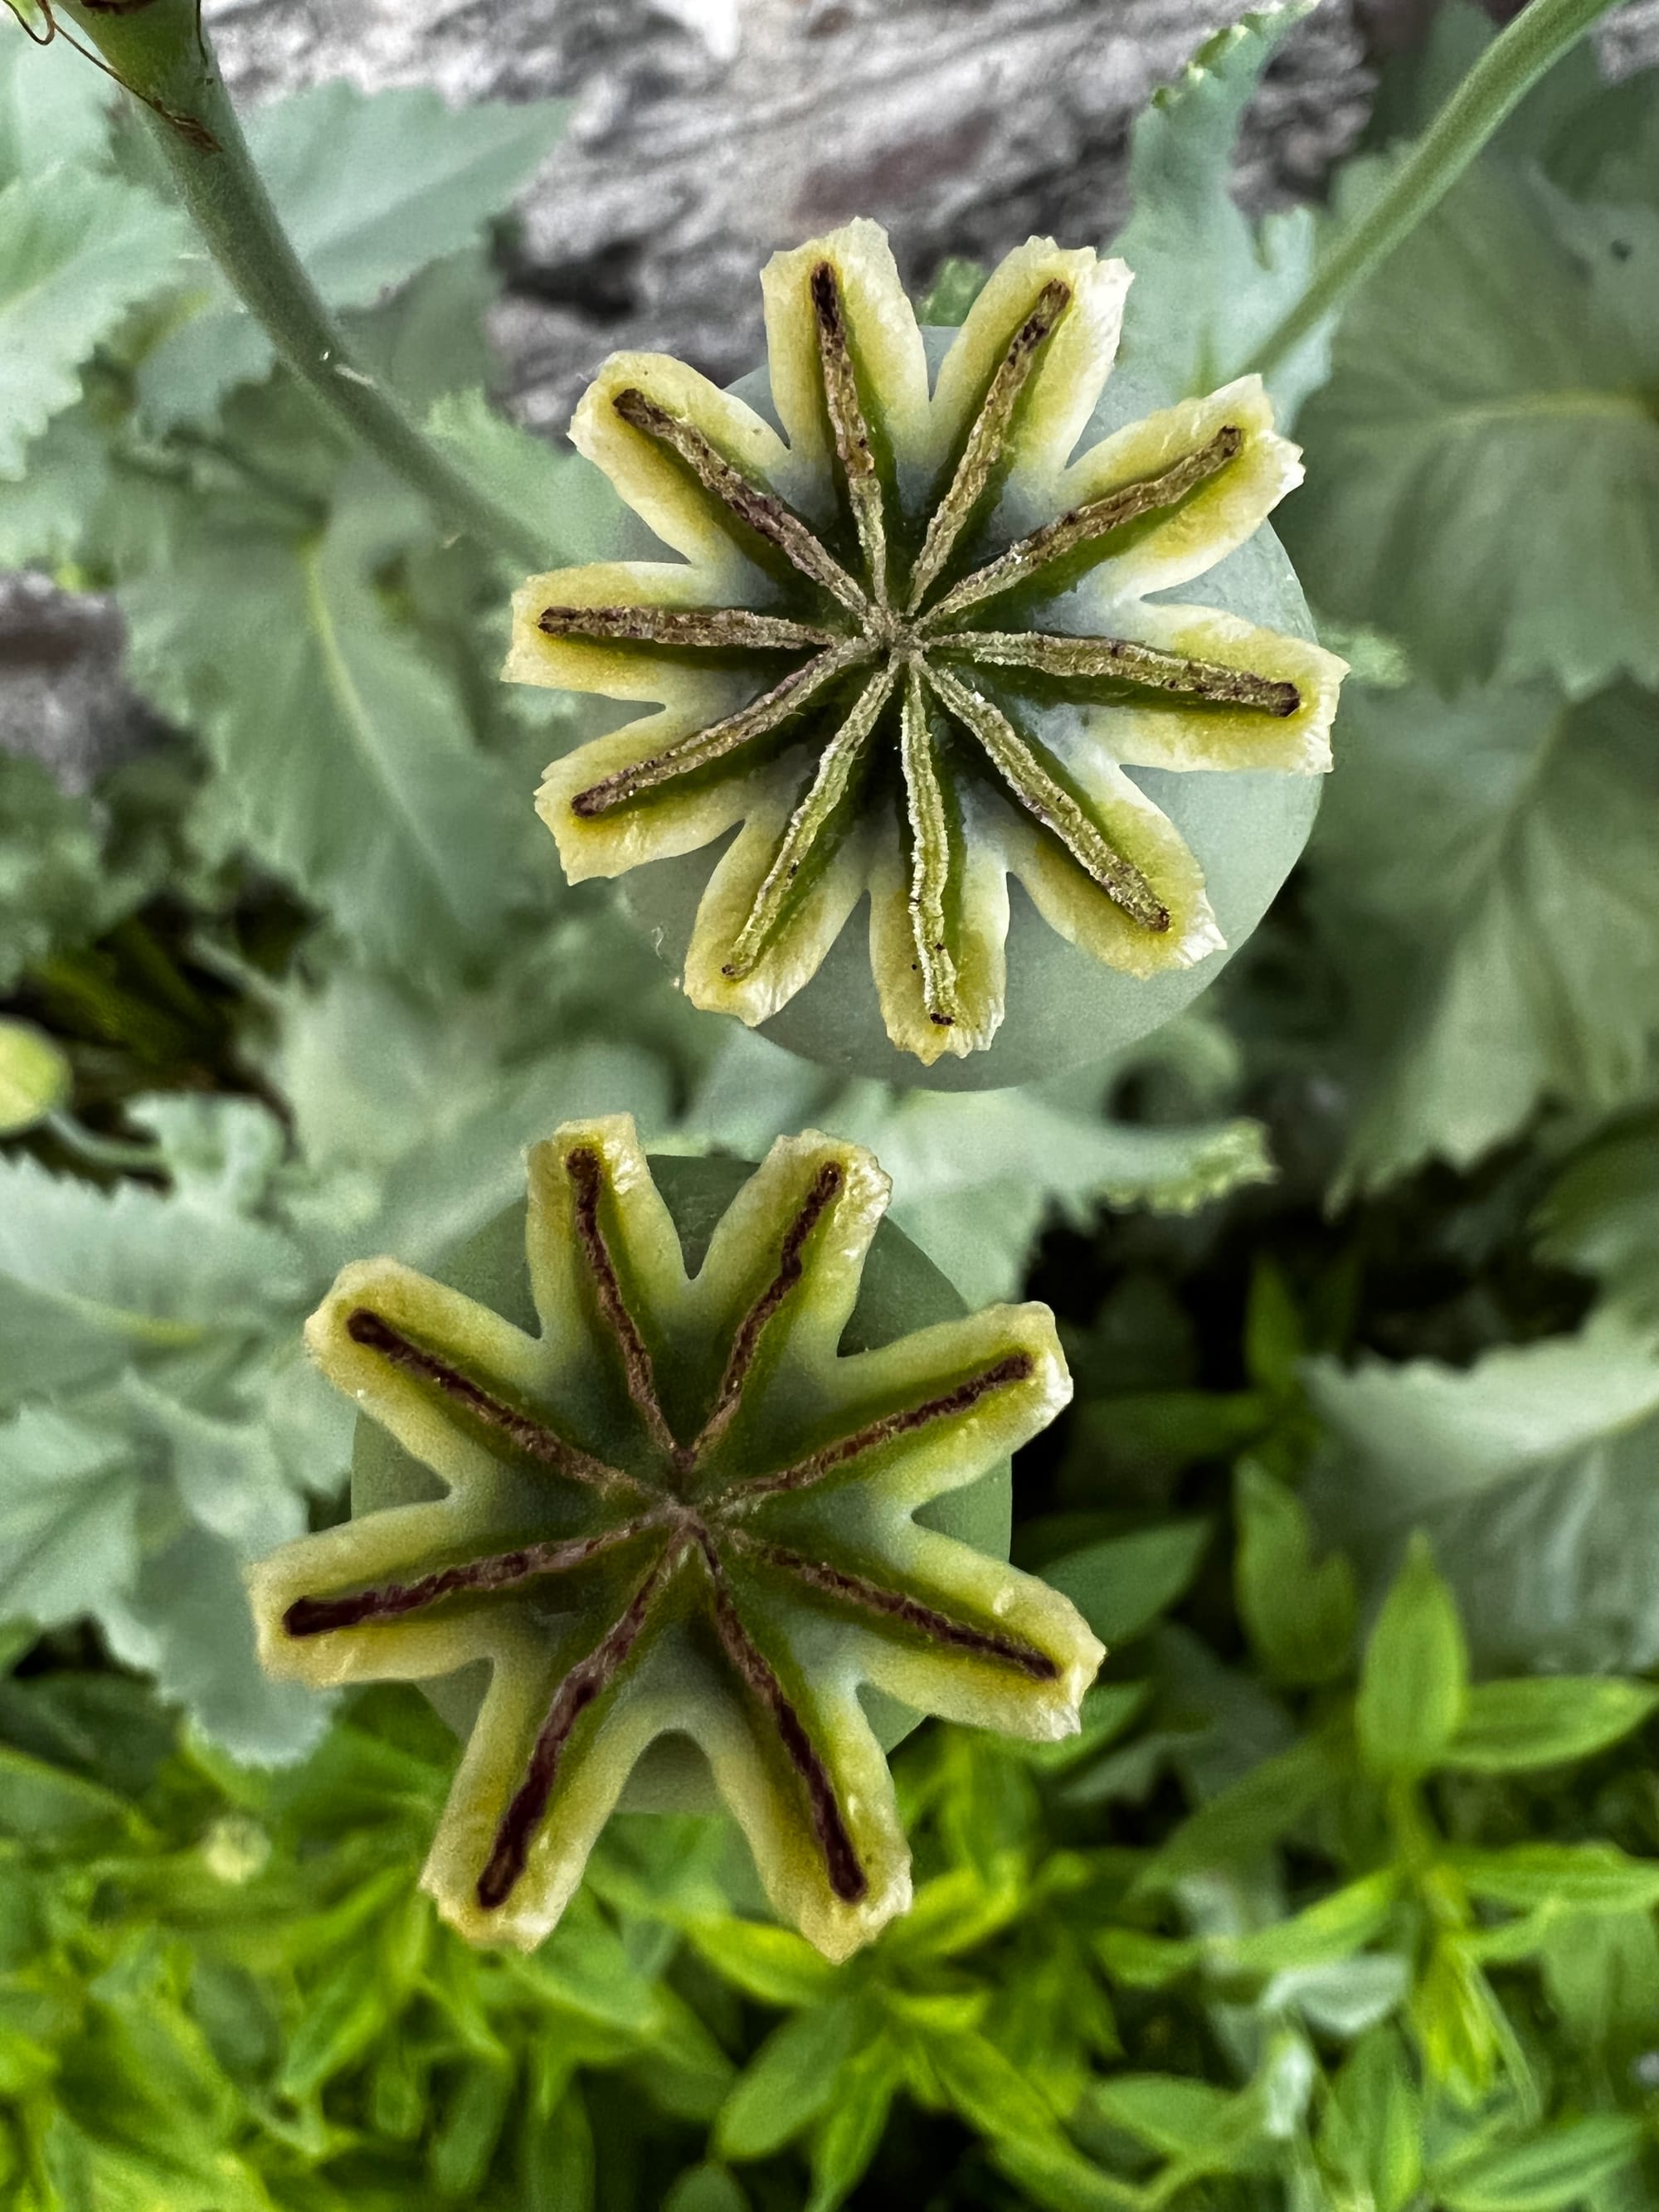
1414,1686
1209,284
69,1502
345,760
1482,875
370,188
1546,1721
1602,1216
1122,1585
53,106
568,501
430,342
216,1152
81,503
1448,399
91,1281
1533,1470
185,1621
225,1471
977,1214
975,1176
1300,1616
76,250
1556,2167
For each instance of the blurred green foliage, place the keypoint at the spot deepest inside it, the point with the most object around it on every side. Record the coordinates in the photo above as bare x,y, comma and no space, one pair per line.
1343,1898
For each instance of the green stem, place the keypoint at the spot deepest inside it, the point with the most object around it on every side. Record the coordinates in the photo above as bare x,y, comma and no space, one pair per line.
157,50
1502,77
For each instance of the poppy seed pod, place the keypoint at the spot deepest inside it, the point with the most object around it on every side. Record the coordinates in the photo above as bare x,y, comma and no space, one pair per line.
682,1509
913,650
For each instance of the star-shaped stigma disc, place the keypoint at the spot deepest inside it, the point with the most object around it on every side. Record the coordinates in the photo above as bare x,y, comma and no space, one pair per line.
681,1509
911,650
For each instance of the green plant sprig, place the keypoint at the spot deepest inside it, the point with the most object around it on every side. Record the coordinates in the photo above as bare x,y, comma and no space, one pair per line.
1502,77
160,54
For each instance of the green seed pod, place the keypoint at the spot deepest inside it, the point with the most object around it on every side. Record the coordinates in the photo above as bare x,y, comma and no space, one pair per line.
911,649
685,1507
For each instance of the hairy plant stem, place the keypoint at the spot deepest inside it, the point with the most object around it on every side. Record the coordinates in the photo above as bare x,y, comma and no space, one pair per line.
1505,73
158,51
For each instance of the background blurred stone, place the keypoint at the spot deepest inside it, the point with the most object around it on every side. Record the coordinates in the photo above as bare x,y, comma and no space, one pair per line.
62,695
705,132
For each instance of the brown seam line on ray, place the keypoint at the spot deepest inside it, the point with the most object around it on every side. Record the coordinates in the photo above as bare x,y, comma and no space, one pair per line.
1034,787
510,1853
764,512
375,1333
1027,556
761,716
927,821
826,1187
710,629
897,1605
316,1616
818,817
852,432
985,439
586,1174
1017,1367
1148,667
841,1861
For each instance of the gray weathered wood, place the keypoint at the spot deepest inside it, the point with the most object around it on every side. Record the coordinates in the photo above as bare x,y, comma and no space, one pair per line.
706,132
